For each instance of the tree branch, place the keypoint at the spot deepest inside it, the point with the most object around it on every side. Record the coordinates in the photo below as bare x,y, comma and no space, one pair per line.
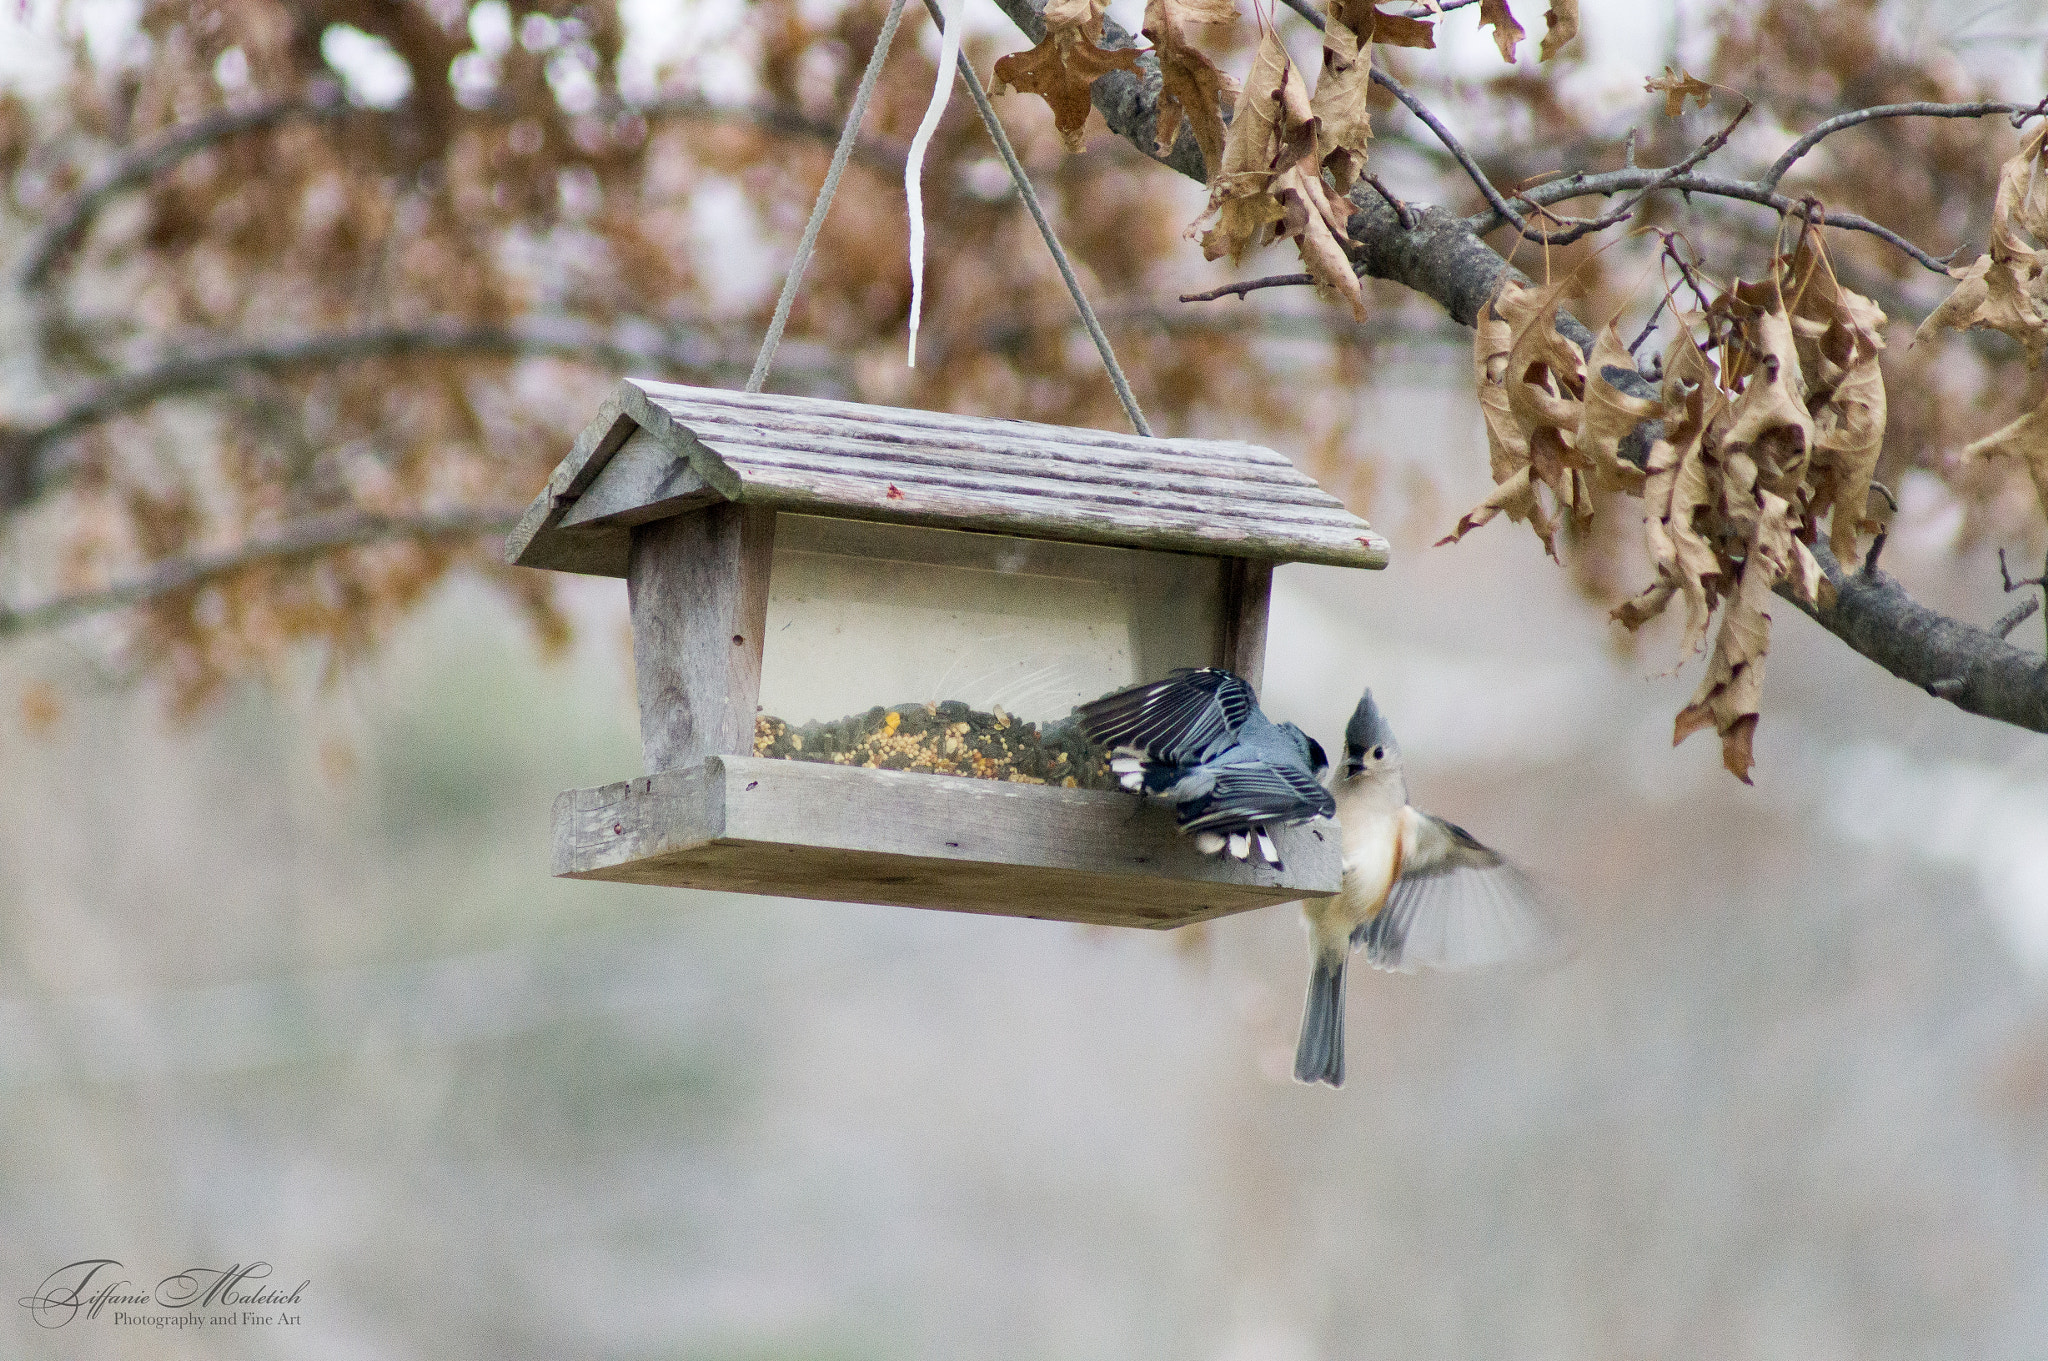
622,346
1973,669
1770,178
162,152
1442,257
302,539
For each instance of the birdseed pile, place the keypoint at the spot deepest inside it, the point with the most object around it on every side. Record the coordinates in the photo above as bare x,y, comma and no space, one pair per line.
943,738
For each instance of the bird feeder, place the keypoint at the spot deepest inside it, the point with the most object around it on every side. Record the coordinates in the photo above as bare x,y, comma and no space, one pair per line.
792,562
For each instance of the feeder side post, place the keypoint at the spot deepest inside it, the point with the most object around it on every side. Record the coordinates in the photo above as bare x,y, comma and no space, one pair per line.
1247,593
698,584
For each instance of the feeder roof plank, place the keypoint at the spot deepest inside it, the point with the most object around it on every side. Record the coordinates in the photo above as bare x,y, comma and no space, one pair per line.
1218,497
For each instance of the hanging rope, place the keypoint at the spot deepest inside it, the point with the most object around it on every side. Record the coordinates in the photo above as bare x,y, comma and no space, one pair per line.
840,154
1052,242
844,150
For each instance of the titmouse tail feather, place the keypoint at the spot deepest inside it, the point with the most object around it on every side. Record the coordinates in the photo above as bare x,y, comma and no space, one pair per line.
1320,1055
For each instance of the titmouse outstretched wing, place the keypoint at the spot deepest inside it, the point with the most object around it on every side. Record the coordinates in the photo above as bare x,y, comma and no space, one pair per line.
1457,904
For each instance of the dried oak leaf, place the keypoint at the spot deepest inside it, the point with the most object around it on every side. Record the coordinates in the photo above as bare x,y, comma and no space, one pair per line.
1527,409
1270,185
1313,219
1560,26
2025,439
1840,334
1677,86
1344,121
1239,193
1610,414
1546,384
1768,419
1727,699
1677,486
2007,288
1064,65
1507,34
1192,88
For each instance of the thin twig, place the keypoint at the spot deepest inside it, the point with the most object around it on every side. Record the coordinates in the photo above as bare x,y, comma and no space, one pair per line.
1402,212
2017,615
1770,178
308,538
1622,181
1884,530
1240,289
2005,576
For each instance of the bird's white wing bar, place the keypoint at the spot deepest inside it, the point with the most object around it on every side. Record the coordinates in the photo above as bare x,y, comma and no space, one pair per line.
1457,905
1173,721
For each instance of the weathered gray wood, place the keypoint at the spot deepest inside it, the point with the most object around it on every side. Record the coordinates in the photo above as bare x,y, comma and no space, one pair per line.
799,829
1221,498
644,480
698,585
594,447
1247,596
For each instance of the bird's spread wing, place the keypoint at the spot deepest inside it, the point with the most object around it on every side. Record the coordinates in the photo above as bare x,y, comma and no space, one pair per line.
1257,793
1457,905
1173,721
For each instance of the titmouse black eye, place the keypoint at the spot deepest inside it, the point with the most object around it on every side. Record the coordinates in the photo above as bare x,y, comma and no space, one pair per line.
1379,753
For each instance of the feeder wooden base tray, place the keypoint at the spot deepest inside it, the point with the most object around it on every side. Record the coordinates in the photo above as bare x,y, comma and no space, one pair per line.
803,830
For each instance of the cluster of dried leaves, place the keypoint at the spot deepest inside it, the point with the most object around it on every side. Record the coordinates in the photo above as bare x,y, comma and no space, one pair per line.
1267,169
2007,290
1773,412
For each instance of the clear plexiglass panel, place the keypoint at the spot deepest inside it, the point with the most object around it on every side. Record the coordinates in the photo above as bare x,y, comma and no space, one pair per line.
974,647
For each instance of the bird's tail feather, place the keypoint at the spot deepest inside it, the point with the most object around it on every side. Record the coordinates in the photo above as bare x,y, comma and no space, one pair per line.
1320,1055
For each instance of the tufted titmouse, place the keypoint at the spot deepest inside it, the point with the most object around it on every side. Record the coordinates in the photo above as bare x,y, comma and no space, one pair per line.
1418,892
1198,741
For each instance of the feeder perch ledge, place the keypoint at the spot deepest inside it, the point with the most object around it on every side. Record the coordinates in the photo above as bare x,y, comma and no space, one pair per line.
901,587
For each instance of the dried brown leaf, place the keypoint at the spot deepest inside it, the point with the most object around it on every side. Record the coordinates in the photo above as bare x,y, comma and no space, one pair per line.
1061,69
1343,118
1769,419
1507,34
1730,693
1516,496
1191,86
1677,86
1610,414
2026,439
2007,288
1507,447
1271,129
1560,26
1317,226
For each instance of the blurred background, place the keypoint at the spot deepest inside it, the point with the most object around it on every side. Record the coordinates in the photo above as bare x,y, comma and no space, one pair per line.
283,976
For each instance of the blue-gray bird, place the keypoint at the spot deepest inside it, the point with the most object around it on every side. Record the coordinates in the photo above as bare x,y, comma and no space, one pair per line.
1198,741
1418,892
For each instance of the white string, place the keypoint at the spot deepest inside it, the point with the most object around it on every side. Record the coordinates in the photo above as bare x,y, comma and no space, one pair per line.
1052,241
804,247
913,169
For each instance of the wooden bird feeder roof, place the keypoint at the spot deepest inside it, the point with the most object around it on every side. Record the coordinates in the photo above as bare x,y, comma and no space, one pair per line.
658,449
